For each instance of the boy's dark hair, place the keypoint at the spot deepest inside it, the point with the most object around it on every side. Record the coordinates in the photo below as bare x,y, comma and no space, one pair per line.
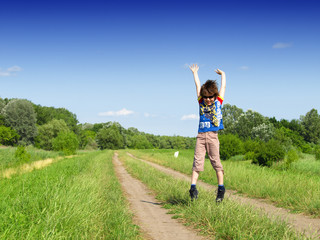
209,88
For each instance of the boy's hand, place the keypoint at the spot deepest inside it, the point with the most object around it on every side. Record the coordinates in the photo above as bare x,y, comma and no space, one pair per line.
220,72
194,68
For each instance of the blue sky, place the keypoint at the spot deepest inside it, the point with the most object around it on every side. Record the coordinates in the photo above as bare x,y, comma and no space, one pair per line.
126,61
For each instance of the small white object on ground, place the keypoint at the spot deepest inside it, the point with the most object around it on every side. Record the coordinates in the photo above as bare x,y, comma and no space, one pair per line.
176,154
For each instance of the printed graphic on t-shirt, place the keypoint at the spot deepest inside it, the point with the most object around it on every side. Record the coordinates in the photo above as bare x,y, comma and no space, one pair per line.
212,112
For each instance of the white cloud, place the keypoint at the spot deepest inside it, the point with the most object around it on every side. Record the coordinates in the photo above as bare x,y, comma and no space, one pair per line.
244,68
190,117
282,45
122,112
14,69
4,74
10,71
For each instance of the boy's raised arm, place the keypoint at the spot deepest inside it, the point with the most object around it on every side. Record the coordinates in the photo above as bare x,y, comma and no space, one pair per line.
194,68
223,82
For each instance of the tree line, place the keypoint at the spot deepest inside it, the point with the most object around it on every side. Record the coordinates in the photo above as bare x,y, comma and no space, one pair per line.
25,123
246,132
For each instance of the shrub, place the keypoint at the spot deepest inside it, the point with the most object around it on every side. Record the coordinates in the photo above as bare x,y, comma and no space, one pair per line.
22,154
268,153
251,145
8,136
317,152
49,131
230,145
237,158
67,142
250,156
292,156
306,148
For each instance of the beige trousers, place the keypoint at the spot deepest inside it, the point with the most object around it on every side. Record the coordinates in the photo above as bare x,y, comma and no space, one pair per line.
207,142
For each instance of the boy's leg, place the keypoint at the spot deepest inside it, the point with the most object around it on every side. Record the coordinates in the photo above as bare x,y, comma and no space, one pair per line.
198,164
194,177
220,177
214,155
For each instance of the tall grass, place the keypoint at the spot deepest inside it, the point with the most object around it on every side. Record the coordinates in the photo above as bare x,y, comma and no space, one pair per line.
78,198
8,159
307,165
228,220
292,189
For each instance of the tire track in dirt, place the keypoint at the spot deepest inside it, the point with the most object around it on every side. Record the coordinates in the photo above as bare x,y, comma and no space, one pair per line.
302,223
149,215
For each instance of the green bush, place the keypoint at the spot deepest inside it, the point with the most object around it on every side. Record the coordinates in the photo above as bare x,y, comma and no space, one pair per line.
67,142
250,145
22,155
292,156
237,158
250,156
317,152
230,145
306,148
8,136
268,153
49,131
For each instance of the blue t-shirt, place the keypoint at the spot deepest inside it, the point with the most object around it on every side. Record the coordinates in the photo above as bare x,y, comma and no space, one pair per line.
210,116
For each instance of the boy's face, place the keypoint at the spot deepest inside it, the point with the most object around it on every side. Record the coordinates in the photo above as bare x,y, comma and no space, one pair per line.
208,100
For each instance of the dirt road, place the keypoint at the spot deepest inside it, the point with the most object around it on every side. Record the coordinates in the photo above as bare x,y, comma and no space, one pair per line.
149,215
305,224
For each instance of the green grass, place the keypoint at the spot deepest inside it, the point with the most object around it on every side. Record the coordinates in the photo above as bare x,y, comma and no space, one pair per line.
8,160
228,220
78,198
307,165
292,189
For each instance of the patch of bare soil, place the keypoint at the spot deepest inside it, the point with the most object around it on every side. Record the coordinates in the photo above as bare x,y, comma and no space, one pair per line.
302,223
149,215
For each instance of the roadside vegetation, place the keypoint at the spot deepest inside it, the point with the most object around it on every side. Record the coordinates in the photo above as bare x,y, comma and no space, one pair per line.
297,188
229,220
11,157
265,141
78,198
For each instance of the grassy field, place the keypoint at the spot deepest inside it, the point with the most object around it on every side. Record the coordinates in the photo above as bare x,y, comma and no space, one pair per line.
8,160
81,198
229,220
78,198
297,189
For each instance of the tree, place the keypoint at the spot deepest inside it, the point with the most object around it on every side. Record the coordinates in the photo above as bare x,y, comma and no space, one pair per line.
47,114
246,122
311,125
2,104
230,114
140,142
48,132
67,142
110,138
19,114
263,132
86,138
8,136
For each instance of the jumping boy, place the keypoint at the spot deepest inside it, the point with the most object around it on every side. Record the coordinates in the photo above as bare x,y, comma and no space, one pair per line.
210,101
